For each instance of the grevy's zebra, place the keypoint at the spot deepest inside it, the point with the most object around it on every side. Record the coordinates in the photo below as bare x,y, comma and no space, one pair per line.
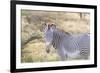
67,45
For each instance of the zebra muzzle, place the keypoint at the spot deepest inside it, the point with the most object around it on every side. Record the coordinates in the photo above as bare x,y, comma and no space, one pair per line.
48,50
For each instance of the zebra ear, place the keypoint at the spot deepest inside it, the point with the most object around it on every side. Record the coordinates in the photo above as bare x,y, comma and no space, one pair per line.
54,25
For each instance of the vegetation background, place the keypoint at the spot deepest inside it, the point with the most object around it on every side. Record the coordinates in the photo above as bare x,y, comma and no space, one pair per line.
32,41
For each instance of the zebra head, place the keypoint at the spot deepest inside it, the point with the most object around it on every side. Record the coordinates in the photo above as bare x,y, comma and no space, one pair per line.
48,34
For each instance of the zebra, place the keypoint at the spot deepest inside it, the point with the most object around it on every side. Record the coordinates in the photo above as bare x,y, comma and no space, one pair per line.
66,44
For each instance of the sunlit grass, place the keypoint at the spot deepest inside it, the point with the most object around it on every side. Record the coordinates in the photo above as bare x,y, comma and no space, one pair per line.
36,52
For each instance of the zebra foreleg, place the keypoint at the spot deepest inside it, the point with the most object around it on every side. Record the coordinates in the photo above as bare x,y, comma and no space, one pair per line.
61,54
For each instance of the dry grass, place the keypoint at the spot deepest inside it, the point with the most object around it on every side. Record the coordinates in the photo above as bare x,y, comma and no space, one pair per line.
35,52
33,45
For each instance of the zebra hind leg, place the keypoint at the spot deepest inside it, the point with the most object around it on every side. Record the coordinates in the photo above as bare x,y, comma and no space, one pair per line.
84,53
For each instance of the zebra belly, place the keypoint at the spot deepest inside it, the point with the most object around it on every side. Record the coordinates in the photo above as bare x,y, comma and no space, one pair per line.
71,54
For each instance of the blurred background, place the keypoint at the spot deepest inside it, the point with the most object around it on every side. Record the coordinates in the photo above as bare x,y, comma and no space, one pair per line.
32,41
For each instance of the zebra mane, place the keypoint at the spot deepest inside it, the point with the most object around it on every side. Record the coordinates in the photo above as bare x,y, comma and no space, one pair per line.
63,31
